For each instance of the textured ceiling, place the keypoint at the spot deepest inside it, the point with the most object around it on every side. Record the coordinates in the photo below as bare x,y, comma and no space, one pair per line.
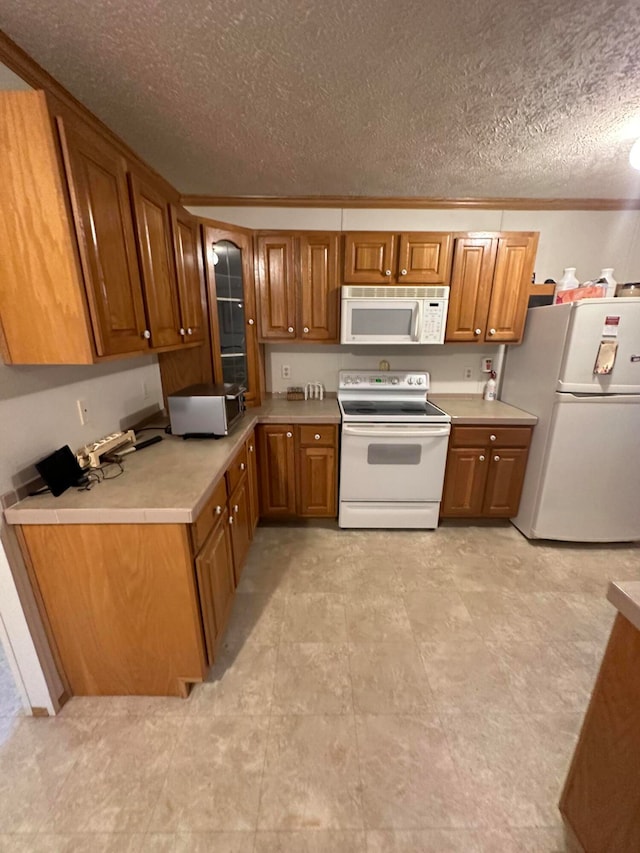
454,98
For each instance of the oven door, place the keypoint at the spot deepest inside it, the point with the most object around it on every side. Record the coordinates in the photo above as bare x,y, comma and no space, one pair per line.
393,462
381,321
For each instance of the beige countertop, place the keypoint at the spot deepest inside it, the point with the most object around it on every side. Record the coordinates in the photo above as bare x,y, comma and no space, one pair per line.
474,410
171,481
625,596
168,482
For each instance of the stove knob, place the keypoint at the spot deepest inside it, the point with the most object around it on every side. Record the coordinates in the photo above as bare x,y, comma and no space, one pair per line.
420,380
395,380
410,380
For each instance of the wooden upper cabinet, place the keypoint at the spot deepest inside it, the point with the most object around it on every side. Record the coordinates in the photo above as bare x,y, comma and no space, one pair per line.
510,292
369,257
97,180
276,286
416,257
319,290
489,287
153,231
471,280
184,229
424,258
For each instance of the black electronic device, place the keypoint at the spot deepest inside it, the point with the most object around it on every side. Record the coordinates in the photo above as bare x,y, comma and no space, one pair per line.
61,470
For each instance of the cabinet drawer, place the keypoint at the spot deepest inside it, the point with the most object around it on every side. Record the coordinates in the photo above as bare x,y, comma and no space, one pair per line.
212,511
317,435
490,436
236,470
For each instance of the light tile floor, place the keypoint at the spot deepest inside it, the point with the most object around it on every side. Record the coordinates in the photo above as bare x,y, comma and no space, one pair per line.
389,692
10,704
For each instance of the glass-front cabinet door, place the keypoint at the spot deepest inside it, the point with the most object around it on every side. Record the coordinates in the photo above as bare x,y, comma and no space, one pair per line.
231,300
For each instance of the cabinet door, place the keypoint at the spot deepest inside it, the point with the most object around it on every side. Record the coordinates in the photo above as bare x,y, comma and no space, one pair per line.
464,482
319,288
97,180
471,279
424,258
153,229
240,524
317,482
370,258
504,483
276,458
216,583
184,228
510,291
252,474
276,287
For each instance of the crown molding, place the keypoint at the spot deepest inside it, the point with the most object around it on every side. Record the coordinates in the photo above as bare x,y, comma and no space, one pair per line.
404,202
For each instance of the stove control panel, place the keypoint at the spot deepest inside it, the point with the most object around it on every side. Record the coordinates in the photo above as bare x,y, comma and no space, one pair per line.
394,380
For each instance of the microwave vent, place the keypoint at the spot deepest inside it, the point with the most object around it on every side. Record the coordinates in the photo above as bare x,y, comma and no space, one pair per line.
373,292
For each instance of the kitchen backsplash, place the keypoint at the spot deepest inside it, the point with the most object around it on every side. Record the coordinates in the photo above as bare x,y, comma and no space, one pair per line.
447,365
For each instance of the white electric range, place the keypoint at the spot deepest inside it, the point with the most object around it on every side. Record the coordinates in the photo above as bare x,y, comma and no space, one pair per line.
394,450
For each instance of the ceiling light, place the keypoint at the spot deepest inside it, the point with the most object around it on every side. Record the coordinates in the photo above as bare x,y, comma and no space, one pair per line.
634,154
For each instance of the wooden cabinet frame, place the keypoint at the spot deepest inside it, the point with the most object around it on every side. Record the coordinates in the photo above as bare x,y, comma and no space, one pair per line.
409,258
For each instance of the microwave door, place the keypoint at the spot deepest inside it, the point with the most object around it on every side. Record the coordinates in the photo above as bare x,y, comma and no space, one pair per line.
374,322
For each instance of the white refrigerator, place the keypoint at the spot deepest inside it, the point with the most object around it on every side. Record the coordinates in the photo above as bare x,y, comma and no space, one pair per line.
582,482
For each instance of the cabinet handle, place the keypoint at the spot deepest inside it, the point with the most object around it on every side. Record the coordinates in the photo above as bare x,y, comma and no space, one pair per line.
496,458
236,508
230,519
492,331
218,510
146,334
317,436
306,330
387,272
477,332
481,458
242,466
182,332
492,438
403,272
251,322
251,448
289,434
189,331
290,330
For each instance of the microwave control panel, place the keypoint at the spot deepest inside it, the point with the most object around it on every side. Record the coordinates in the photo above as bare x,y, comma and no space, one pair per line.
434,321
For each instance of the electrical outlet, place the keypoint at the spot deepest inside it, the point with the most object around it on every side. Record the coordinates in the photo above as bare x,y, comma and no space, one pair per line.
285,371
487,365
468,373
83,412
145,390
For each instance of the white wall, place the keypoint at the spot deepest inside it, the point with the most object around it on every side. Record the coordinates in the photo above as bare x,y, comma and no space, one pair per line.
587,240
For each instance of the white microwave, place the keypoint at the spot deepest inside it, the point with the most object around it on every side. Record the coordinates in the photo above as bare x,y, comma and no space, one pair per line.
393,315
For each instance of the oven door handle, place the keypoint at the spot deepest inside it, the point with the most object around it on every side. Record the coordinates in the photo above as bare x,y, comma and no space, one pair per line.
397,431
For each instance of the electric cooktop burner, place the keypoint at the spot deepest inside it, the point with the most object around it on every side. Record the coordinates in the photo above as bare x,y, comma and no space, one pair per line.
386,407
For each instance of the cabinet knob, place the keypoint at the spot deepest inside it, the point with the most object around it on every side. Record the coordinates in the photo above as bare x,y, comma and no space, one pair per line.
289,434
481,458
236,508
290,330
492,331
189,331
242,466
218,510
251,448
492,438
387,272
317,436
403,272
496,458
251,322
230,519
183,332
477,332
306,330
146,334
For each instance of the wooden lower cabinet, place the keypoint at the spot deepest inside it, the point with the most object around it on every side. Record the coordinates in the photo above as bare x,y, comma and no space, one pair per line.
252,476
485,471
216,583
240,524
298,470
